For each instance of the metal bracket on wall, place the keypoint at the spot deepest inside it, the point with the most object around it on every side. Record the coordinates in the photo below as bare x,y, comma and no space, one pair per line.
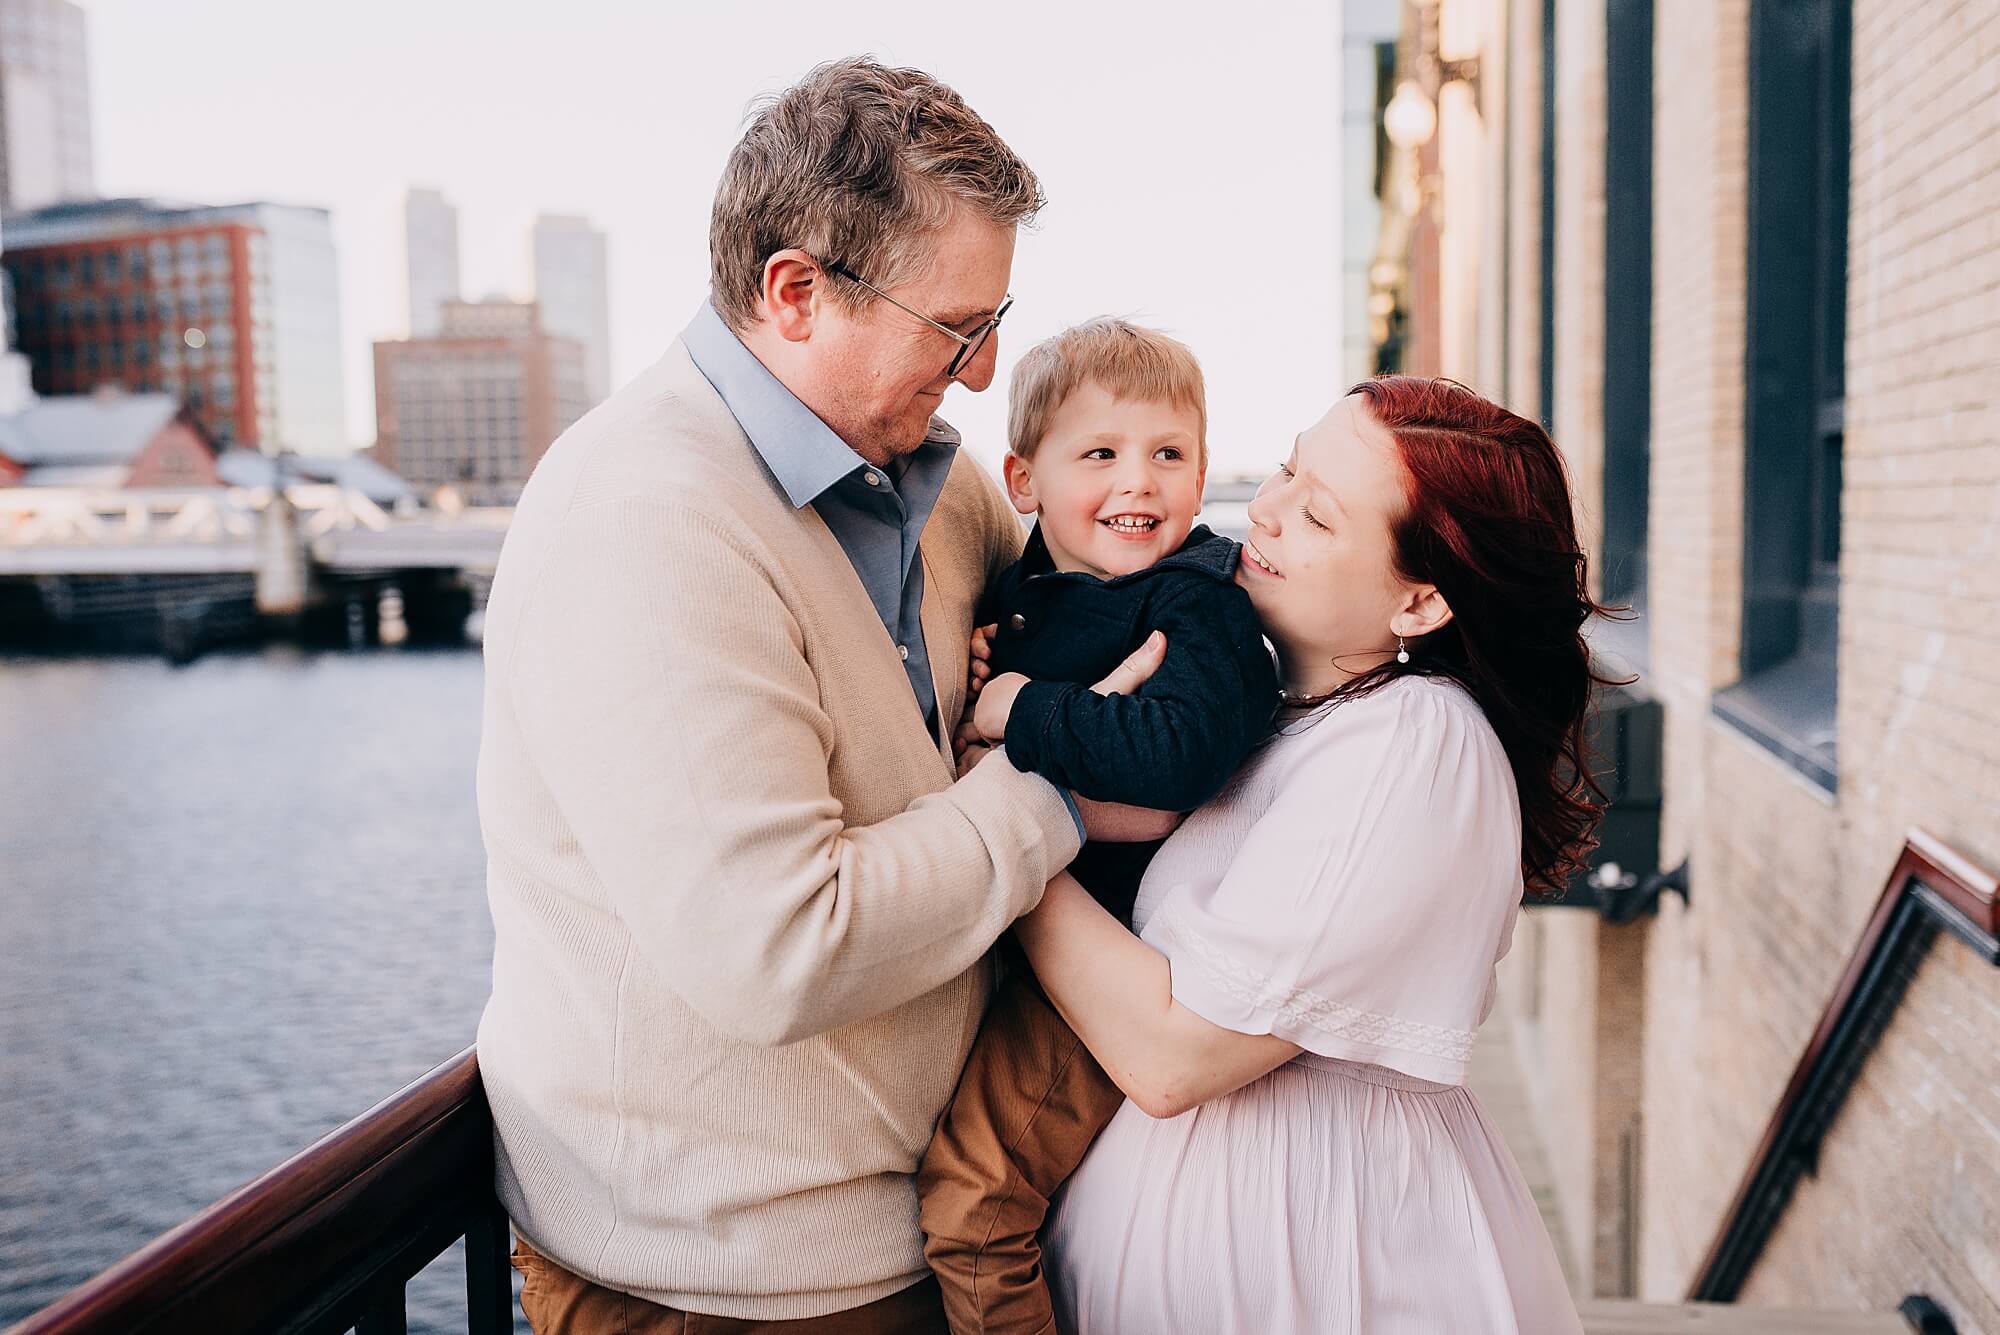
1926,1317
1623,897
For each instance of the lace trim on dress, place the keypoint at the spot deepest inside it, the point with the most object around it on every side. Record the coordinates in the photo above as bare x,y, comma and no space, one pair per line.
1305,1007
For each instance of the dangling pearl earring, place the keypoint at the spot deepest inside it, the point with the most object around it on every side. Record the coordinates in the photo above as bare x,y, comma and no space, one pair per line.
1402,650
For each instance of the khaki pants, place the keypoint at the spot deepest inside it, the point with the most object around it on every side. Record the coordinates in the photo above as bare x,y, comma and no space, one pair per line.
558,1301
1029,1104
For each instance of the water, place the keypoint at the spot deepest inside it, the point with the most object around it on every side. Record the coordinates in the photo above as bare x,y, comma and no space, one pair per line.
240,901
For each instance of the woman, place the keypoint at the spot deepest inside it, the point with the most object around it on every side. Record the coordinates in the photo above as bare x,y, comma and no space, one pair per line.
1298,1152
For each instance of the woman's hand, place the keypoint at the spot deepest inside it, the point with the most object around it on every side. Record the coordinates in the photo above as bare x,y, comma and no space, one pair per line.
1139,665
1114,822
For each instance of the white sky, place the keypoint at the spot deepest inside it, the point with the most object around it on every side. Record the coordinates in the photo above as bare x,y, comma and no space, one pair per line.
1187,149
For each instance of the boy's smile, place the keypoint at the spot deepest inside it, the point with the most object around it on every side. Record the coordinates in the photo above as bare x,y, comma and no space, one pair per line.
1116,482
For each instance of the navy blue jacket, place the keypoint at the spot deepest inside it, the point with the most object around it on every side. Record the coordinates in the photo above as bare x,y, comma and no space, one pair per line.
1173,743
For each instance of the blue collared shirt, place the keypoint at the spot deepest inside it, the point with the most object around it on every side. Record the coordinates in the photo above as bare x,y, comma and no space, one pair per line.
876,514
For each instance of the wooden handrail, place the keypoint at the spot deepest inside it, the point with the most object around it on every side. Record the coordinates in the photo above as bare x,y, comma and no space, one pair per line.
327,1240
1932,887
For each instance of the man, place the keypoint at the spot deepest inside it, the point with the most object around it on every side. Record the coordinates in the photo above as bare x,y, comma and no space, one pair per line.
741,906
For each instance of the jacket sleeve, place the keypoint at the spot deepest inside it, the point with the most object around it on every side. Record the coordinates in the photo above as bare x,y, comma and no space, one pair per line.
1175,742
664,691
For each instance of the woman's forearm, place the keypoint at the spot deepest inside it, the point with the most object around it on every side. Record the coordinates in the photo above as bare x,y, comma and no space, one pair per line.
1117,993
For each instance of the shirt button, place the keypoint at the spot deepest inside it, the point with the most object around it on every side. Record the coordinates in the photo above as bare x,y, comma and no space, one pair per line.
872,479
1017,622
903,652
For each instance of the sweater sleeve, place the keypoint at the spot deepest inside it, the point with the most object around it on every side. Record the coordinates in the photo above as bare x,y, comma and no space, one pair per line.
664,691
1175,742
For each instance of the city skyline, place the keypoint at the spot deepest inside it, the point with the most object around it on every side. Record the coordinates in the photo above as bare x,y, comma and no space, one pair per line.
1191,185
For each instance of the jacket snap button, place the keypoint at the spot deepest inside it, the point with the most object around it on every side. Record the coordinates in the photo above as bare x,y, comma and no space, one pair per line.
1017,622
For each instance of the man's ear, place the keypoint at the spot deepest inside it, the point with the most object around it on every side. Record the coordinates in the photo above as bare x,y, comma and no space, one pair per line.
1423,611
790,297
1019,475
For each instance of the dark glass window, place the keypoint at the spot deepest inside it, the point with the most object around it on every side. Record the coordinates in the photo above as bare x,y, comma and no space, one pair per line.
1546,336
1795,378
1628,297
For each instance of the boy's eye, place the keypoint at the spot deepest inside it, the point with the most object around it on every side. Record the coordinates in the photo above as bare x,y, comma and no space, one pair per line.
1102,452
1169,452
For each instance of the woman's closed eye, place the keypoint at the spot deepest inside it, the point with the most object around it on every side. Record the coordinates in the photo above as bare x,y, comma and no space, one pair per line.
1305,511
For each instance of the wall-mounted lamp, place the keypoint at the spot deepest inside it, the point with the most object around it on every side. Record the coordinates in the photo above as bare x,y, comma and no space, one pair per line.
1411,118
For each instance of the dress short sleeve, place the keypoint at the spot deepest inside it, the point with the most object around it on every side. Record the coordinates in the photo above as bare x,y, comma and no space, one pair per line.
1362,914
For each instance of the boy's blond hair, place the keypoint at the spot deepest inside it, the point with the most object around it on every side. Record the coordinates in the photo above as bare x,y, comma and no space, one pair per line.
1128,360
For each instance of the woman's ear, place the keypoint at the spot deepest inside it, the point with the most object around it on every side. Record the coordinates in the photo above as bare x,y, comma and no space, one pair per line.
1422,612
1020,479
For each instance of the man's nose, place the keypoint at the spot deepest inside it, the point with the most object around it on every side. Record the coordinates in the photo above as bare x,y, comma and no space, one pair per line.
977,373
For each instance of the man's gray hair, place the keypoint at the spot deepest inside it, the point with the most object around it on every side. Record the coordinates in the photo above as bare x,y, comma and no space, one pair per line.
861,164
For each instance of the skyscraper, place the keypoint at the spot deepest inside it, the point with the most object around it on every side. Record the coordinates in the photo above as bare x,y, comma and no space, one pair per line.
430,234
572,285
45,153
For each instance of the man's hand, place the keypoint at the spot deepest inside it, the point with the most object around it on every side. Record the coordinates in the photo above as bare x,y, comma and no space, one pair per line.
979,663
995,704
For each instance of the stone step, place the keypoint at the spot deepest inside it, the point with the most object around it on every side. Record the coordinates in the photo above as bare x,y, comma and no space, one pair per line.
1608,1316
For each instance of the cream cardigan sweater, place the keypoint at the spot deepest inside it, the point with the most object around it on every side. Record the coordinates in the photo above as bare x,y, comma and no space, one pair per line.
740,906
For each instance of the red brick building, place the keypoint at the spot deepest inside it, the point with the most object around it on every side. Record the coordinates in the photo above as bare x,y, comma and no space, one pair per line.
232,310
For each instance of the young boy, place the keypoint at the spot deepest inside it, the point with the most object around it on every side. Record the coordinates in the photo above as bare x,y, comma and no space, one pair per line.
1107,427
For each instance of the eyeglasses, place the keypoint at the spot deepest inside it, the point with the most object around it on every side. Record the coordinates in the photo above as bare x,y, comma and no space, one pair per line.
968,344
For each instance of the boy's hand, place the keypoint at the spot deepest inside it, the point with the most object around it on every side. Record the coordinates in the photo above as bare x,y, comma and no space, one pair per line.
979,666
996,702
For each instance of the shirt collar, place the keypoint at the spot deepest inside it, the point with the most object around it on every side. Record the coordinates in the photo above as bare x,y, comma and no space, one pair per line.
802,452
1203,551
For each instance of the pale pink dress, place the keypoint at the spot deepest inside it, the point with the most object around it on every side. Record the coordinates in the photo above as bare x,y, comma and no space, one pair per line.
1351,891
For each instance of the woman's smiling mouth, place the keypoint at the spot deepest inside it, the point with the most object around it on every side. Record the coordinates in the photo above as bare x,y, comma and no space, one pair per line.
1256,560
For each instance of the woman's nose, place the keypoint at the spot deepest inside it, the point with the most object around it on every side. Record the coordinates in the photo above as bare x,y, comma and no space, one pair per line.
1263,508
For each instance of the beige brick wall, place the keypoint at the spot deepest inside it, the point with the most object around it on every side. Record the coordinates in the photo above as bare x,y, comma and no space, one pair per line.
1908,1192
1660,1051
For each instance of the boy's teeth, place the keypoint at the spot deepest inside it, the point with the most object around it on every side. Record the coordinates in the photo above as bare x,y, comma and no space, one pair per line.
1134,525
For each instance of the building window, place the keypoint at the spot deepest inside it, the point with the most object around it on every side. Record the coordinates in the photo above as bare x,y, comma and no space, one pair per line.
1794,381
1628,298
1546,333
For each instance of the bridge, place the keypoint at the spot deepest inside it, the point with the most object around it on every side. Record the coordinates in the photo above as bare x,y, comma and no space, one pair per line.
71,556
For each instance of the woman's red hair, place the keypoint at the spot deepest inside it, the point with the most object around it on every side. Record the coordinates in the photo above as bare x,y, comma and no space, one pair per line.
1490,524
